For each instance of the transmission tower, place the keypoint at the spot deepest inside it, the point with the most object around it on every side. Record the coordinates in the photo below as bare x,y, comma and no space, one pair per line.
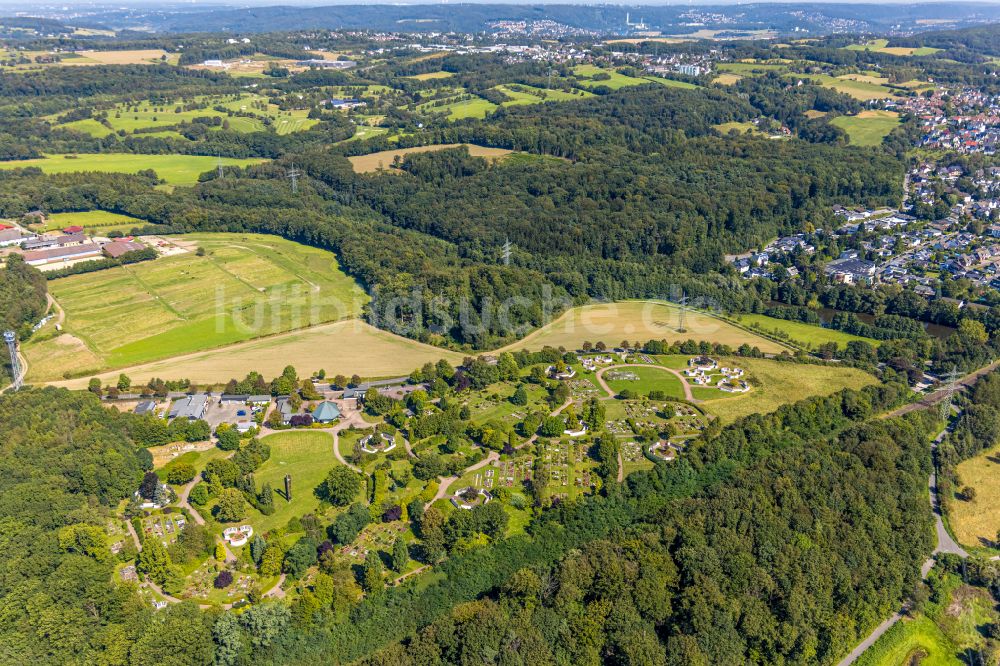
15,363
293,175
222,173
506,252
949,394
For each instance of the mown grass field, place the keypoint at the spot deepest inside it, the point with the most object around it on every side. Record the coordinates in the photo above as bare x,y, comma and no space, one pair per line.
868,128
246,286
637,320
95,221
649,379
618,80
308,458
776,383
173,169
860,90
430,76
346,347
976,523
805,335
384,159
458,108
882,46
522,94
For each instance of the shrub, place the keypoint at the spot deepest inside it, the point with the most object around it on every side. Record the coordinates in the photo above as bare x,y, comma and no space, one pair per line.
223,580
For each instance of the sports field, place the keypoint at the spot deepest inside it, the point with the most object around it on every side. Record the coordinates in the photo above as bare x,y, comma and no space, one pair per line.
868,128
805,335
637,320
95,221
384,159
976,523
776,383
245,286
173,169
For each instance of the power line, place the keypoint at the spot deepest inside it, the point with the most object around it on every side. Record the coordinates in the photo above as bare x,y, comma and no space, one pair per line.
506,252
293,175
949,395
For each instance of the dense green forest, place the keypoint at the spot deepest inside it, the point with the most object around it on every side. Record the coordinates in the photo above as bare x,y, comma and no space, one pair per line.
22,304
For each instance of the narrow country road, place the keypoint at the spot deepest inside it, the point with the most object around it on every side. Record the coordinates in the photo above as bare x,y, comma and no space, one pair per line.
599,375
945,544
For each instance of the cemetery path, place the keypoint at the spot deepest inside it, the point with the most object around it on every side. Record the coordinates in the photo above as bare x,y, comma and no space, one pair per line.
408,574
447,481
621,467
599,375
182,499
135,537
555,412
278,591
337,454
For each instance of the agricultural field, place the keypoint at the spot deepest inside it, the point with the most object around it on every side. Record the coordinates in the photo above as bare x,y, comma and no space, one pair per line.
522,94
459,107
93,58
245,286
172,169
975,524
860,90
95,221
882,46
868,128
347,347
133,117
384,159
637,320
431,76
750,68
809,336
727,79
617,80
776,383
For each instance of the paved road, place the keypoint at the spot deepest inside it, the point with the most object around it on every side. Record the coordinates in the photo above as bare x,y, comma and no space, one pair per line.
945,544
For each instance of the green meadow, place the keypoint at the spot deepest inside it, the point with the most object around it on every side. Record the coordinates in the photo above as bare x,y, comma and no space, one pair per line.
172,169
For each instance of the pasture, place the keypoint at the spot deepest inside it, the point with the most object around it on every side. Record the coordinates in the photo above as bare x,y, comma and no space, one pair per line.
776,383
882,46
976,523
172,169
385,158
586,79
637,320
245,286
727,79
431,76
95,221
808,336
868,128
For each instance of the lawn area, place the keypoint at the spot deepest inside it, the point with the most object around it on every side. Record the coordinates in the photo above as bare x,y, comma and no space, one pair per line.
975,524
384,159
742,128
647,379
636,320
245,286
430,76
586,74
882,46
809,336
173,169
749,68
308,458
776,383
906,640
868,128
92,220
